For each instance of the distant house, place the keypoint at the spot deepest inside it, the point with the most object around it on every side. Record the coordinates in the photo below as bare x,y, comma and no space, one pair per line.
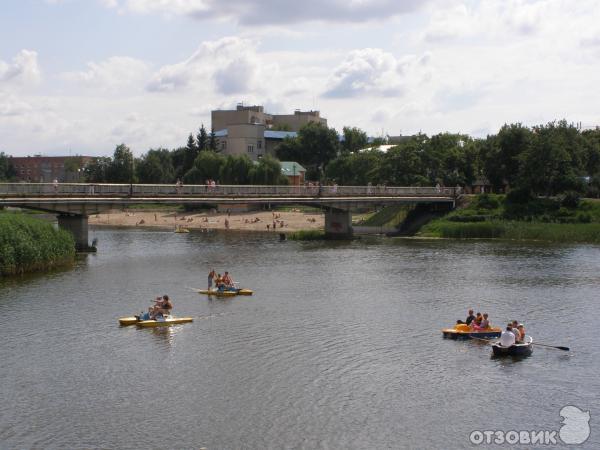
45,169
294,172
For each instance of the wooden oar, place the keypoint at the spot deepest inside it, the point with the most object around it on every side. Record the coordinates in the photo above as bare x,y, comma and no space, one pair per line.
566,349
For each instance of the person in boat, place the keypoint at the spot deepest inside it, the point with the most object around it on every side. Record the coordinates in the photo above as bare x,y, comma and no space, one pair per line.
470,318
507,338
516,332
219,283
481,322
476,323
227,280
211,276
163,308
521,329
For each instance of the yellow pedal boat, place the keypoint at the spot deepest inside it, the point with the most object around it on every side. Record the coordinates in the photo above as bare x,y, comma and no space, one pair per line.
225,293
125,321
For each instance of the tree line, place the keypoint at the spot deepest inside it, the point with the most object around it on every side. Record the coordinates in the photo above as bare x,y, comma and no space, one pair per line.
542,160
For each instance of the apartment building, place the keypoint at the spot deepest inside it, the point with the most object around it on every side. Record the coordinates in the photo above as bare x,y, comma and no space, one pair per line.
45,169
249,130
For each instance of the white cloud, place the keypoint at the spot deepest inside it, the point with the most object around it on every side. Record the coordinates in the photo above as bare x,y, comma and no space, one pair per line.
112,74
275,12
228,65
23,69
10,105
374,72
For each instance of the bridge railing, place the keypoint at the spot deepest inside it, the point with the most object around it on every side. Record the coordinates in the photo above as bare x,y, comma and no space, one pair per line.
206,191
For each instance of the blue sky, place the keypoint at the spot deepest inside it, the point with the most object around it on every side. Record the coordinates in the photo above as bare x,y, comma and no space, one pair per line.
82,76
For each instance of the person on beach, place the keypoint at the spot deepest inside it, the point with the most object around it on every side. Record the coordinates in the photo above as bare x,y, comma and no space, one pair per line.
211,276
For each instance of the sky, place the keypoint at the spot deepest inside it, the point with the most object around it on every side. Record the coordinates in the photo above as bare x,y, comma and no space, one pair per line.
82,76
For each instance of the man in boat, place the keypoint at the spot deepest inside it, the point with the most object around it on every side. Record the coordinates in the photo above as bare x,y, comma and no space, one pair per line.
470,318
507,338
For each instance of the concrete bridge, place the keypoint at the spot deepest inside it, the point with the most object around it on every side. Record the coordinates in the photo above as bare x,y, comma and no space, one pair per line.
74,202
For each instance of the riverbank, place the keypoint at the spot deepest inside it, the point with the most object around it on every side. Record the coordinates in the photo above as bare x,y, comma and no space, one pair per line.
283,221
492,217
28,244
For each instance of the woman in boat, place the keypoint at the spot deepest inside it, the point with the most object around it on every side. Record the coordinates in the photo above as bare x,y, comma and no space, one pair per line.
516,332
483,324
521,329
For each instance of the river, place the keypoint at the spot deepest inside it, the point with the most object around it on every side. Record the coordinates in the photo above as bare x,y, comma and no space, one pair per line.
339,347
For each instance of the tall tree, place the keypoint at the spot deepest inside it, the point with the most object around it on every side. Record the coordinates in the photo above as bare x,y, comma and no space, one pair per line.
554,161
212,142
206,166
313,147
156,166
121,169
7,171
354,139
268,171
191,152
202,139
97,170
236,169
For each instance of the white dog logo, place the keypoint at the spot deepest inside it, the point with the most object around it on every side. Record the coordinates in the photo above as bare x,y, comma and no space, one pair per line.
576,428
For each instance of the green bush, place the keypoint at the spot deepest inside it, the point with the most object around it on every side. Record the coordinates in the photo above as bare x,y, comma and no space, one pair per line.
486,201
28,244
570,199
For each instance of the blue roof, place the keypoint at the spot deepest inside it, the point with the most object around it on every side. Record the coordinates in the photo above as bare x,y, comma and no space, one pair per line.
221,133
270,134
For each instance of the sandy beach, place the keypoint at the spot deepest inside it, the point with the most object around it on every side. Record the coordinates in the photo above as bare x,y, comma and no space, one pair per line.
250,221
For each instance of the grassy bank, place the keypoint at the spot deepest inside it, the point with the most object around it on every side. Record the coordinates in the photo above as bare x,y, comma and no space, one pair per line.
28,244
489,217
389,216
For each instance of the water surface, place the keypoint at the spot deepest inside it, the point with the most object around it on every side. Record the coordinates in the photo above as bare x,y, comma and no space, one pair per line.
340,346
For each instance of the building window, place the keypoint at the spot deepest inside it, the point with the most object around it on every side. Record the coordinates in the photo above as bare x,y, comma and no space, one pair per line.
251,149
259,144
223,145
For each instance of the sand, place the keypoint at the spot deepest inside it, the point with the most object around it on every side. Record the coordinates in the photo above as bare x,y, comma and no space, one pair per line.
251,221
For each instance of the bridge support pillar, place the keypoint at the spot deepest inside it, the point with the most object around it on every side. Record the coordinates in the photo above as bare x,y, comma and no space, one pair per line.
338,224
78,226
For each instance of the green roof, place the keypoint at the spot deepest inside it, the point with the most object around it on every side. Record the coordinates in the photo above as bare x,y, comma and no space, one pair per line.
291,168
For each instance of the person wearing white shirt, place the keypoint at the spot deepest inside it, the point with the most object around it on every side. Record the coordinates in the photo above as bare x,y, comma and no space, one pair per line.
507,338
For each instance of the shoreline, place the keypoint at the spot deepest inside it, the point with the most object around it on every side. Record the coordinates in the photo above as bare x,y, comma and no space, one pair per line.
284,221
